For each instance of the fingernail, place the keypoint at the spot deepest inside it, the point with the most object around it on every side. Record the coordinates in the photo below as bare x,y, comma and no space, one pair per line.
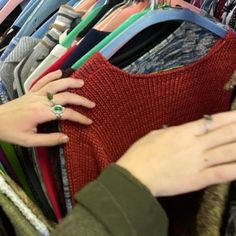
90,121
93,104
80,82
64,139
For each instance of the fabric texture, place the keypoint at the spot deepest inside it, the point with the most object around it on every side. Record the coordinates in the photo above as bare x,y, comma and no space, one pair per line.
187,44
116,93
39,226
102,204
55,66
20,51
65,16
92,38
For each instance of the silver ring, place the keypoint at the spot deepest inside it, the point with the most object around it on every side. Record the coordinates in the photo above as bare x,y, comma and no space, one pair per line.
207,121
58,111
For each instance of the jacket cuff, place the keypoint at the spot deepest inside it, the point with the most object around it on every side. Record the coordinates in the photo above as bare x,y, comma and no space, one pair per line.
123,205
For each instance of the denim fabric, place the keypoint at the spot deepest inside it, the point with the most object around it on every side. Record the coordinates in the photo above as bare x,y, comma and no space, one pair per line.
186,45
3,3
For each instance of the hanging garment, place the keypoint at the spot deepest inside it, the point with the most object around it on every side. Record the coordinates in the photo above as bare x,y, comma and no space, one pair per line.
34,223
22,49
153,98
25,157
7,166
65,16
4,98
186,45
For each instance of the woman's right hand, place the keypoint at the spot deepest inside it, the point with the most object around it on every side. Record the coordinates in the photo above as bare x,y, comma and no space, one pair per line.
185,158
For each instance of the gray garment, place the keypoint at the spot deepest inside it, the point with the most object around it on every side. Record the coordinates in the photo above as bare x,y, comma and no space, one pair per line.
186,45
65,16
23,48
65,181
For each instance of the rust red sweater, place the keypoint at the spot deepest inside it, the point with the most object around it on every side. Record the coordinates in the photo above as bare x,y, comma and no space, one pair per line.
128,106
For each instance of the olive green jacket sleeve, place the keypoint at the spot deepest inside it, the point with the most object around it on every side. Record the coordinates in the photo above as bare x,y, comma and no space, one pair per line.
115,204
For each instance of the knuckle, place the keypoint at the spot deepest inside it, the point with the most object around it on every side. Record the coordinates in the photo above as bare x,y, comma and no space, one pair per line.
220,175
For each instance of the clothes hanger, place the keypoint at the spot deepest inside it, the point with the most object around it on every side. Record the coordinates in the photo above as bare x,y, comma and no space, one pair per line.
112,35
110,45
71,37
158,16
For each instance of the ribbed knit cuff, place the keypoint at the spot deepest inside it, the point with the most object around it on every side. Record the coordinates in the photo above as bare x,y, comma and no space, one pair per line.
123,205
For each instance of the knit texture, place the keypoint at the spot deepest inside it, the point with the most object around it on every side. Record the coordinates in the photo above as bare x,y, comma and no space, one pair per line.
129,106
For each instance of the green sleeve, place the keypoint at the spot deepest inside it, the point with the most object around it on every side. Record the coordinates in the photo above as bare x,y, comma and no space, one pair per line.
115,204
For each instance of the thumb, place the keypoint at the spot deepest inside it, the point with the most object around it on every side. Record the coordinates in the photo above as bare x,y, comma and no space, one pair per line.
52,139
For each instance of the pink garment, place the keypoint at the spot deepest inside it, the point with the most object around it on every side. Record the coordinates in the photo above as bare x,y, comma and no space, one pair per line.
8,8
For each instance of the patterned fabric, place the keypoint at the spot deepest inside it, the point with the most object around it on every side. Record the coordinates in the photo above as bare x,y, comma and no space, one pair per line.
26,212
4,98
22,49
186,45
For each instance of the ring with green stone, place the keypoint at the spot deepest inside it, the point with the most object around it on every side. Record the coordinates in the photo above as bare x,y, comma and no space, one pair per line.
58,111
50,98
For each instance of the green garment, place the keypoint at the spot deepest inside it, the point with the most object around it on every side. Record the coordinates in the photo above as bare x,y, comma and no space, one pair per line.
114,204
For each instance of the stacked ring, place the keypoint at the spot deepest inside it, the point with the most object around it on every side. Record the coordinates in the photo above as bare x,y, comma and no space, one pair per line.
56,108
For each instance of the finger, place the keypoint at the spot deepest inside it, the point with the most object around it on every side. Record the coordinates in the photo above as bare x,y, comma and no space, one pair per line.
46,114
218,174
62,85
220,136
74,99
220,155
46,79
52,139
218,120
74,116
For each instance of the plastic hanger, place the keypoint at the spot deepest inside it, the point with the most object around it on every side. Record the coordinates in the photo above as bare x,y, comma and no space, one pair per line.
8,8
71,37
158,16
105,41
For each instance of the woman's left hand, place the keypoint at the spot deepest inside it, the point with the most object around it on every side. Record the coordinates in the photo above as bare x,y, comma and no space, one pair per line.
19,118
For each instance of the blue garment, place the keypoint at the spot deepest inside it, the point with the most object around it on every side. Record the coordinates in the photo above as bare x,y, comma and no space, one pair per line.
39,33
21,19
3,3
43,9
45,27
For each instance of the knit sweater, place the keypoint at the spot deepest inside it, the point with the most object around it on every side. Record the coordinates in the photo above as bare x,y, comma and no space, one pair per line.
130,105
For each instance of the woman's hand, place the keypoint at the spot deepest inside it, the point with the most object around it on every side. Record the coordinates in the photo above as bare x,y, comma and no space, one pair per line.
19,118
185,158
